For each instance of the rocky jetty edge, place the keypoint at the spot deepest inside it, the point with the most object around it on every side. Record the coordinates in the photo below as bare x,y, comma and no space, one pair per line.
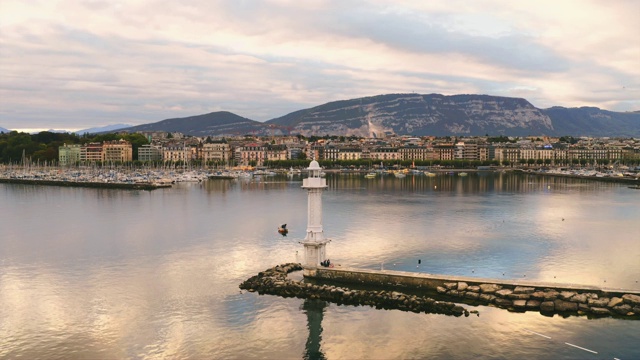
274,281
547,300
87,184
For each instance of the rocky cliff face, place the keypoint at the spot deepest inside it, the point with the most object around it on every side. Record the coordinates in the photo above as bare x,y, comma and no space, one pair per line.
416,114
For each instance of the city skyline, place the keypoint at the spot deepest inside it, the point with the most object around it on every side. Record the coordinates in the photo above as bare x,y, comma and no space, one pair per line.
73,66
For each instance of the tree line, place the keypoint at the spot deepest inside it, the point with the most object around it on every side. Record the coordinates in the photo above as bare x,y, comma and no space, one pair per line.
43,146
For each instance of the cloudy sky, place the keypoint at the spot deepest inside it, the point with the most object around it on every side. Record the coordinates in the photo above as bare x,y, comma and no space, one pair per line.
77,64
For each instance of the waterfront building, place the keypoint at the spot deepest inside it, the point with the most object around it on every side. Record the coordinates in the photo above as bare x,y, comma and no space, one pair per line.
560,156
331,152
316,151
483,152
590,154
385,153
445,151
415,152
117,151
366,153
294,151
349,153
91,153
276,153
174,153
149,152
69,154
251,153
466,151
537,154
510,153
215,153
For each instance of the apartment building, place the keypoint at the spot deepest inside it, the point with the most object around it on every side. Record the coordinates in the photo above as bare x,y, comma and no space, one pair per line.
117,151
414,152
350,153
385,153
277,152
331,153
91,152
466,151
507,153
537,154
150,152
176,152
69,154
215,153
445,151
252,152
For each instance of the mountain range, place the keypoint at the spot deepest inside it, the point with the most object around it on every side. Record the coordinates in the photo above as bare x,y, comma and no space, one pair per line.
416,115
409,114
93,130
108,128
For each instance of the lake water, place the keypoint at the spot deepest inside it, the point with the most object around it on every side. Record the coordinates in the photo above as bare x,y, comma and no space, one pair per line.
112,274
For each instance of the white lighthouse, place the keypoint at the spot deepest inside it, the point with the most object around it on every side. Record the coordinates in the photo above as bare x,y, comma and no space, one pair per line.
315,242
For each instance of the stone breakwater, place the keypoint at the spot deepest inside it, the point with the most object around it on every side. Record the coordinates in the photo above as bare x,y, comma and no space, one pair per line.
88,184
515,295
548,300
274,281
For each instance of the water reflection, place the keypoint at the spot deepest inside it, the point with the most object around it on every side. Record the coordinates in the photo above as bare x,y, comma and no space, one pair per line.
314,309
475,182
94,273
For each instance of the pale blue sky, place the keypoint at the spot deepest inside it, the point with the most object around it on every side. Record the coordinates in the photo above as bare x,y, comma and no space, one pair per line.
79,64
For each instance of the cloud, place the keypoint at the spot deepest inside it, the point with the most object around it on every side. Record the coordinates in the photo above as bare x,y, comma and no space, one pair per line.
70,65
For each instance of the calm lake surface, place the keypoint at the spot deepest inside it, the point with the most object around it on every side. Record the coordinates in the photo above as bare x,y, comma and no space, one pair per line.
113,274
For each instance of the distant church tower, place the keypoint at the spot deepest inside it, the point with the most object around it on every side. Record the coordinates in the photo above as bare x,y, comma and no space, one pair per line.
315,242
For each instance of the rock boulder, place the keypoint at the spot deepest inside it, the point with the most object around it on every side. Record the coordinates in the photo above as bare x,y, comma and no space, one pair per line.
562,306
489,288
631,299
523,290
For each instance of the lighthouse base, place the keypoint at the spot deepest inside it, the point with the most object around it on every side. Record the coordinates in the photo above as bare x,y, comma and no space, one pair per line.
314,252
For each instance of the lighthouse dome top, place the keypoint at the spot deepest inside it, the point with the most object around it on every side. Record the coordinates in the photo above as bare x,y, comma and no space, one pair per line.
314,166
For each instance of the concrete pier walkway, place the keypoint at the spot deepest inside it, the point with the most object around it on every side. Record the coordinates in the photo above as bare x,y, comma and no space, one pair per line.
432,281
516,295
